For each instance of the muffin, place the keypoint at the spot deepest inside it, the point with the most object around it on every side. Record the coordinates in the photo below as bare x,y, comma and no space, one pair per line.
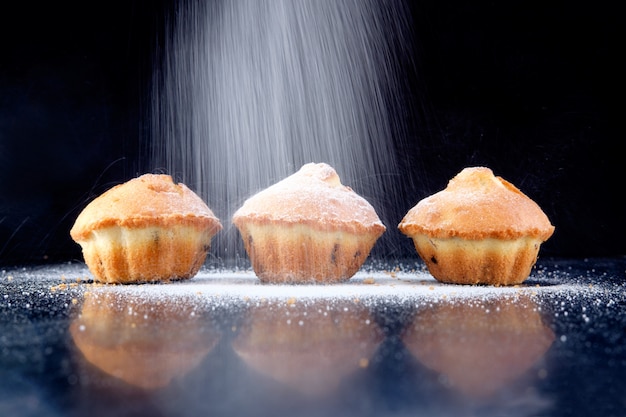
147,229
479,230
480,347
145,342
308,228
310,346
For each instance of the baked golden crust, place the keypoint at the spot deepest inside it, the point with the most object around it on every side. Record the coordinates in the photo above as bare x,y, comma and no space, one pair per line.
308,227
477,205
148,200
480,230
147,229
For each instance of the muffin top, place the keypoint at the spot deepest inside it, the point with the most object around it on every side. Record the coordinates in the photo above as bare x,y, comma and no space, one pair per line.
477,205
148,200
313,196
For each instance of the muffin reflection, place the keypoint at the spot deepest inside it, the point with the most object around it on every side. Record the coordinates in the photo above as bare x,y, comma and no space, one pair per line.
146,343
310,346
479,346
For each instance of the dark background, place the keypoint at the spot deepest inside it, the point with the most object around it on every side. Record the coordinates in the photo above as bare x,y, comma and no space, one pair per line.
529,90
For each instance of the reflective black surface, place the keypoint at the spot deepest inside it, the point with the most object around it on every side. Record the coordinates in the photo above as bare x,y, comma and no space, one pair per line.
387,343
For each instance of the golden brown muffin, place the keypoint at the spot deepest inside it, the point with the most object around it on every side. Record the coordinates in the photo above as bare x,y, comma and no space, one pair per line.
309,346
308,228
144,342
480,346
147,229
480,230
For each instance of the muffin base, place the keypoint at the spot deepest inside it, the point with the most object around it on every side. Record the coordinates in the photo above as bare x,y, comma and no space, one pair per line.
147,254
487,261
302,254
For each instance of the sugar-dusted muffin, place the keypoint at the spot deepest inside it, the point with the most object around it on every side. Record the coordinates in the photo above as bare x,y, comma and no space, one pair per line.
308,228
146,341
480,229
147,229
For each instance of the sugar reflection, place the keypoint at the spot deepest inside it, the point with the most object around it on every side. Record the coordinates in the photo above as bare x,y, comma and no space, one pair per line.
145,342
480,347
311,346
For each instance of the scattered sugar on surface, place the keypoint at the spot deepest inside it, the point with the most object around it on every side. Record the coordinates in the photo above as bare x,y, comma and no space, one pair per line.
401,284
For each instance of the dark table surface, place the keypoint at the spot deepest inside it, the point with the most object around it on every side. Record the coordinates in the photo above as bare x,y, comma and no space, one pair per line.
392,341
